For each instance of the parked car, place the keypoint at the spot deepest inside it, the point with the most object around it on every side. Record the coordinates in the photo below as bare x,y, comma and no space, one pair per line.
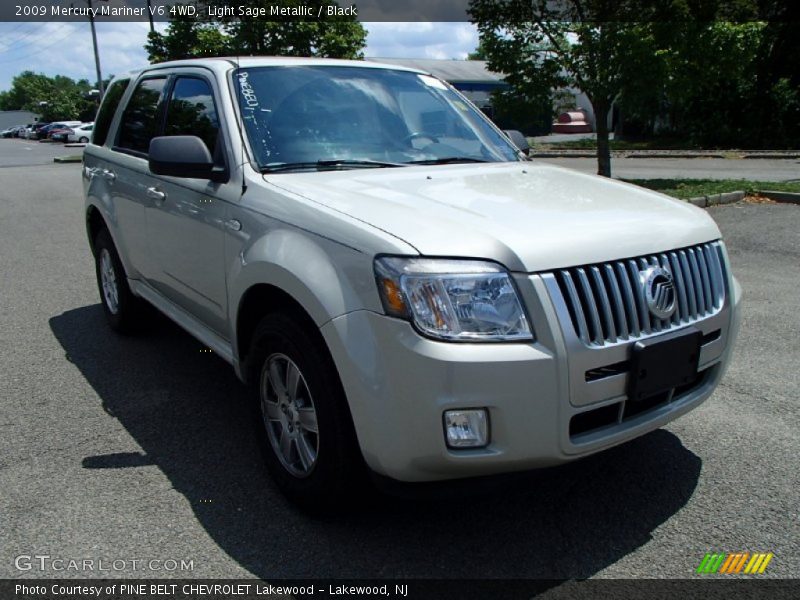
81,134
405,292
35,132
12,131
58,131
59,134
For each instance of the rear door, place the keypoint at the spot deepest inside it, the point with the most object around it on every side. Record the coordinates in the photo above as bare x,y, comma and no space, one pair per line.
129,174
101,171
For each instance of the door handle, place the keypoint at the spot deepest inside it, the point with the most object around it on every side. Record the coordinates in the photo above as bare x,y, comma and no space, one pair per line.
109,176
156,195
233,225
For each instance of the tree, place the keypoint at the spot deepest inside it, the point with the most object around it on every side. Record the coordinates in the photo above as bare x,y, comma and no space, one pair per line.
543,46
334,36
478,54
719,83
186,38
711,85
54,98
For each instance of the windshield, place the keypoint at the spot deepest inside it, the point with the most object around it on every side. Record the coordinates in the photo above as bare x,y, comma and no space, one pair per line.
311,117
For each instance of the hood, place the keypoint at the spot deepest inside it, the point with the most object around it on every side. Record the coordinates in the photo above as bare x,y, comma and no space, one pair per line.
528,216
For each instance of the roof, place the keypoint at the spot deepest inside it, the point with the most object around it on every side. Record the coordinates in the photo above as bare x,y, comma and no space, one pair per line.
452,71
226,62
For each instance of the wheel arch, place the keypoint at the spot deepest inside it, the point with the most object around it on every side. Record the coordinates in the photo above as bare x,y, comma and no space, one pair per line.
95,223
258,301
289,270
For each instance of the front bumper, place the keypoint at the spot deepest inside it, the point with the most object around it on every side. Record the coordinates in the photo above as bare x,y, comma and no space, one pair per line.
398,385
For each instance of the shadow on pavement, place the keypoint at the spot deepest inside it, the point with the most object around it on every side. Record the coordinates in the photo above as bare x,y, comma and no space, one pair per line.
188,412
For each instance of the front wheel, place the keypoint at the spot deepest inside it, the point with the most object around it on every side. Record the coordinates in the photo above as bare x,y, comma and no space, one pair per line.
84,140
304,423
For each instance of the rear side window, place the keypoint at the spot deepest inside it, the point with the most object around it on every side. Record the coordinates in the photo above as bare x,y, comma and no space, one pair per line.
140,120
191,111
107,110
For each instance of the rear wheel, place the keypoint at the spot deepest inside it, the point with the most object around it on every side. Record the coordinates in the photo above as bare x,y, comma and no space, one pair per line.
84,140
304,424
123,310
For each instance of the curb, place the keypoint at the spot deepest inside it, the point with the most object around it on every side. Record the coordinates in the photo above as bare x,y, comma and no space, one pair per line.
730,197
664,154
790,197
676,155
780,155
716,199
559,154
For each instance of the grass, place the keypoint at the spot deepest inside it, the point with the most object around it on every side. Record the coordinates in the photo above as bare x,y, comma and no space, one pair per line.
628,145
72,158
692,188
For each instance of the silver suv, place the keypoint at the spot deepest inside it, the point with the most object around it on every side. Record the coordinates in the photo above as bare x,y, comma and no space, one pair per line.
406,293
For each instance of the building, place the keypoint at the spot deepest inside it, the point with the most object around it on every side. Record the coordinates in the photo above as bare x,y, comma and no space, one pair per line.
470,77
12,118
474,79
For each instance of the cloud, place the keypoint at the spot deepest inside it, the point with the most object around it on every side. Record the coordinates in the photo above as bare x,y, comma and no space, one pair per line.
421,40
66,48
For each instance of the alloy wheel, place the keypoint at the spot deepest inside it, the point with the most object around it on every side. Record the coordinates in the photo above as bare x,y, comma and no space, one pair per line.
289,415
108,280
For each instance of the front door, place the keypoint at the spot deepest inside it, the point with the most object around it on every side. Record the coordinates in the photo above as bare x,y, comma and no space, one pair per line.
186,218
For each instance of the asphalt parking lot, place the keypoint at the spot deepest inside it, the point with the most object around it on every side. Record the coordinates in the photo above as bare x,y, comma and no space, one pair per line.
141,448
15,152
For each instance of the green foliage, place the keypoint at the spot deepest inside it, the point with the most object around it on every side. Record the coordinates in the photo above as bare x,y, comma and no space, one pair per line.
585,44
704,71
185,39
54,98
693,188
336,37
530,115
718,84
712,80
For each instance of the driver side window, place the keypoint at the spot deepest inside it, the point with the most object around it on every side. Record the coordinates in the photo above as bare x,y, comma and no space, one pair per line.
191,111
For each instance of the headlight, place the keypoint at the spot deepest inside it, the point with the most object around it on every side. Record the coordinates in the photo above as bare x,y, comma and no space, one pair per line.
456,300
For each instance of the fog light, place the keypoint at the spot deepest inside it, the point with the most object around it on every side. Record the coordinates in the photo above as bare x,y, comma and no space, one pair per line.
466,428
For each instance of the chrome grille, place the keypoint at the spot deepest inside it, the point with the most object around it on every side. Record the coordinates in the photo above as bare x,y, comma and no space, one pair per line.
607,304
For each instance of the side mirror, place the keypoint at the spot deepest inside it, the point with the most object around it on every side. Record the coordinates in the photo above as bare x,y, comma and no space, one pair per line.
519,140
180,156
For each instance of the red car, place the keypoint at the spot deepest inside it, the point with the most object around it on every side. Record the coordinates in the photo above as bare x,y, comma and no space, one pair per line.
58,132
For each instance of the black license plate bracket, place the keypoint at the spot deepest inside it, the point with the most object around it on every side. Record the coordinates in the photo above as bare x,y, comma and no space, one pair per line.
664,362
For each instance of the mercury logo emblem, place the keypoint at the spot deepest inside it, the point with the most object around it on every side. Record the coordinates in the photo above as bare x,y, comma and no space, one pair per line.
659,291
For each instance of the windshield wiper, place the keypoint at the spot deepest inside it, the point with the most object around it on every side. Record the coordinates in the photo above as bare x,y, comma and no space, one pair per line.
447,160
329,164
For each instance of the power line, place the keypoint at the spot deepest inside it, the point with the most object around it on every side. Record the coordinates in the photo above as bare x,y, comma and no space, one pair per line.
19,26
40,50
15,45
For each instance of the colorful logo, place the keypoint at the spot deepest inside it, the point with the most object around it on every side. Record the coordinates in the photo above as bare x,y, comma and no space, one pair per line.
733,564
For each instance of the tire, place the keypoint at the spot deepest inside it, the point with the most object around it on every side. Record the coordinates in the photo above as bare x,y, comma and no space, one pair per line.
123,310
320,467
83,140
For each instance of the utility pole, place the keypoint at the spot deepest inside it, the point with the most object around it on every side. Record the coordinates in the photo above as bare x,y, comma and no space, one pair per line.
100,85
150,16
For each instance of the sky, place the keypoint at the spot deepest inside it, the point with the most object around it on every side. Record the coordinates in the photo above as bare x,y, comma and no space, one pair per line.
66,48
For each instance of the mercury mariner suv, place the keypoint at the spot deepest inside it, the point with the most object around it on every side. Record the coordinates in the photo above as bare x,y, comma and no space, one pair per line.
407,294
